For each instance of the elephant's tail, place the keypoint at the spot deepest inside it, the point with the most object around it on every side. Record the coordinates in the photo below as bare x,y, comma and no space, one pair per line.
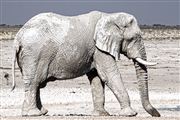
15,50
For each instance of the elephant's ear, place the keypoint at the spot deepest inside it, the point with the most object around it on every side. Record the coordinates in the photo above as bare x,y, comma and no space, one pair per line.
108,36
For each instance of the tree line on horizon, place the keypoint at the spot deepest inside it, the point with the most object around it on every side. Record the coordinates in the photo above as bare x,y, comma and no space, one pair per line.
154,26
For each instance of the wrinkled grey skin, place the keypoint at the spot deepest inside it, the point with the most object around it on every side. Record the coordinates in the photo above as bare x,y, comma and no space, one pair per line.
52,46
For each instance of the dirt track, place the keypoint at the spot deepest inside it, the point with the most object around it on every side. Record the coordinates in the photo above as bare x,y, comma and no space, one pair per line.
73,97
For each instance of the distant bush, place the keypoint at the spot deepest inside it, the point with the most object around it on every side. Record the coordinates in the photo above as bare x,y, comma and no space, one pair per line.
159,26
10,26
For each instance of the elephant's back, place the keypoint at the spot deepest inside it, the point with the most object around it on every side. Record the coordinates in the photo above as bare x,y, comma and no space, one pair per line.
60,29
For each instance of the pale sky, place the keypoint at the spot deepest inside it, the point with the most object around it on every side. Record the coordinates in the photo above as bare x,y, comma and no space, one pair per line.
146,11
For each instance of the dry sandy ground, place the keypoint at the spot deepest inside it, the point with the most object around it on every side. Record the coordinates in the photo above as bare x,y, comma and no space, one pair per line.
71,99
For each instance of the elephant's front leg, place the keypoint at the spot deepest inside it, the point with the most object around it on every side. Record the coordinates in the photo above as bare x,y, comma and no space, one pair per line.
98,96
109,73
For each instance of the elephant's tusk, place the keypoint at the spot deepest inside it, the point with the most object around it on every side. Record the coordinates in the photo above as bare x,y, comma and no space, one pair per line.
145,62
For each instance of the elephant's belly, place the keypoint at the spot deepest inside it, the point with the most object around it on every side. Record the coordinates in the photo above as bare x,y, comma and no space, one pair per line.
71,65
68,71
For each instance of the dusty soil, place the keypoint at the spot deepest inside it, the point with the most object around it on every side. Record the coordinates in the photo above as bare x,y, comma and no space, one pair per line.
71,99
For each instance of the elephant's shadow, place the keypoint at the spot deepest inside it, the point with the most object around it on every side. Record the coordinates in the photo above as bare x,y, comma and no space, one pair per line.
176,108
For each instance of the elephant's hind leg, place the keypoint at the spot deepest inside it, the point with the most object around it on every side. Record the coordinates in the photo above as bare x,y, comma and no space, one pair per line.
30,105
33,74
31,86
39,104
97,87
42,71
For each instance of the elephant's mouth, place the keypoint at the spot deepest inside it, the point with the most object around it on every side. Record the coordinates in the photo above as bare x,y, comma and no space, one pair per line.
141,61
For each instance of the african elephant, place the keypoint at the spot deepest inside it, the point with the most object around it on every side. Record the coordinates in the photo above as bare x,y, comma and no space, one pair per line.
52,46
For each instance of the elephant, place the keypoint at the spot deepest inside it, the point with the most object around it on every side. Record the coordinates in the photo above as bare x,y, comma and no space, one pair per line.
57,47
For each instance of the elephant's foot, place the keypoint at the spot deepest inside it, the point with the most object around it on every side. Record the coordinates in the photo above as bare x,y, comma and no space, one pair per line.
100,113
32,112
128,112
44,110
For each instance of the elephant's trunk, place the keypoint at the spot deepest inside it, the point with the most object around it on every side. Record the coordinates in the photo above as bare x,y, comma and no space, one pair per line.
142,77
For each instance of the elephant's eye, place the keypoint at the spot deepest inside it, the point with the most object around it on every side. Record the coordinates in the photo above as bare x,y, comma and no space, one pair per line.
129,40
129,24
125,26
